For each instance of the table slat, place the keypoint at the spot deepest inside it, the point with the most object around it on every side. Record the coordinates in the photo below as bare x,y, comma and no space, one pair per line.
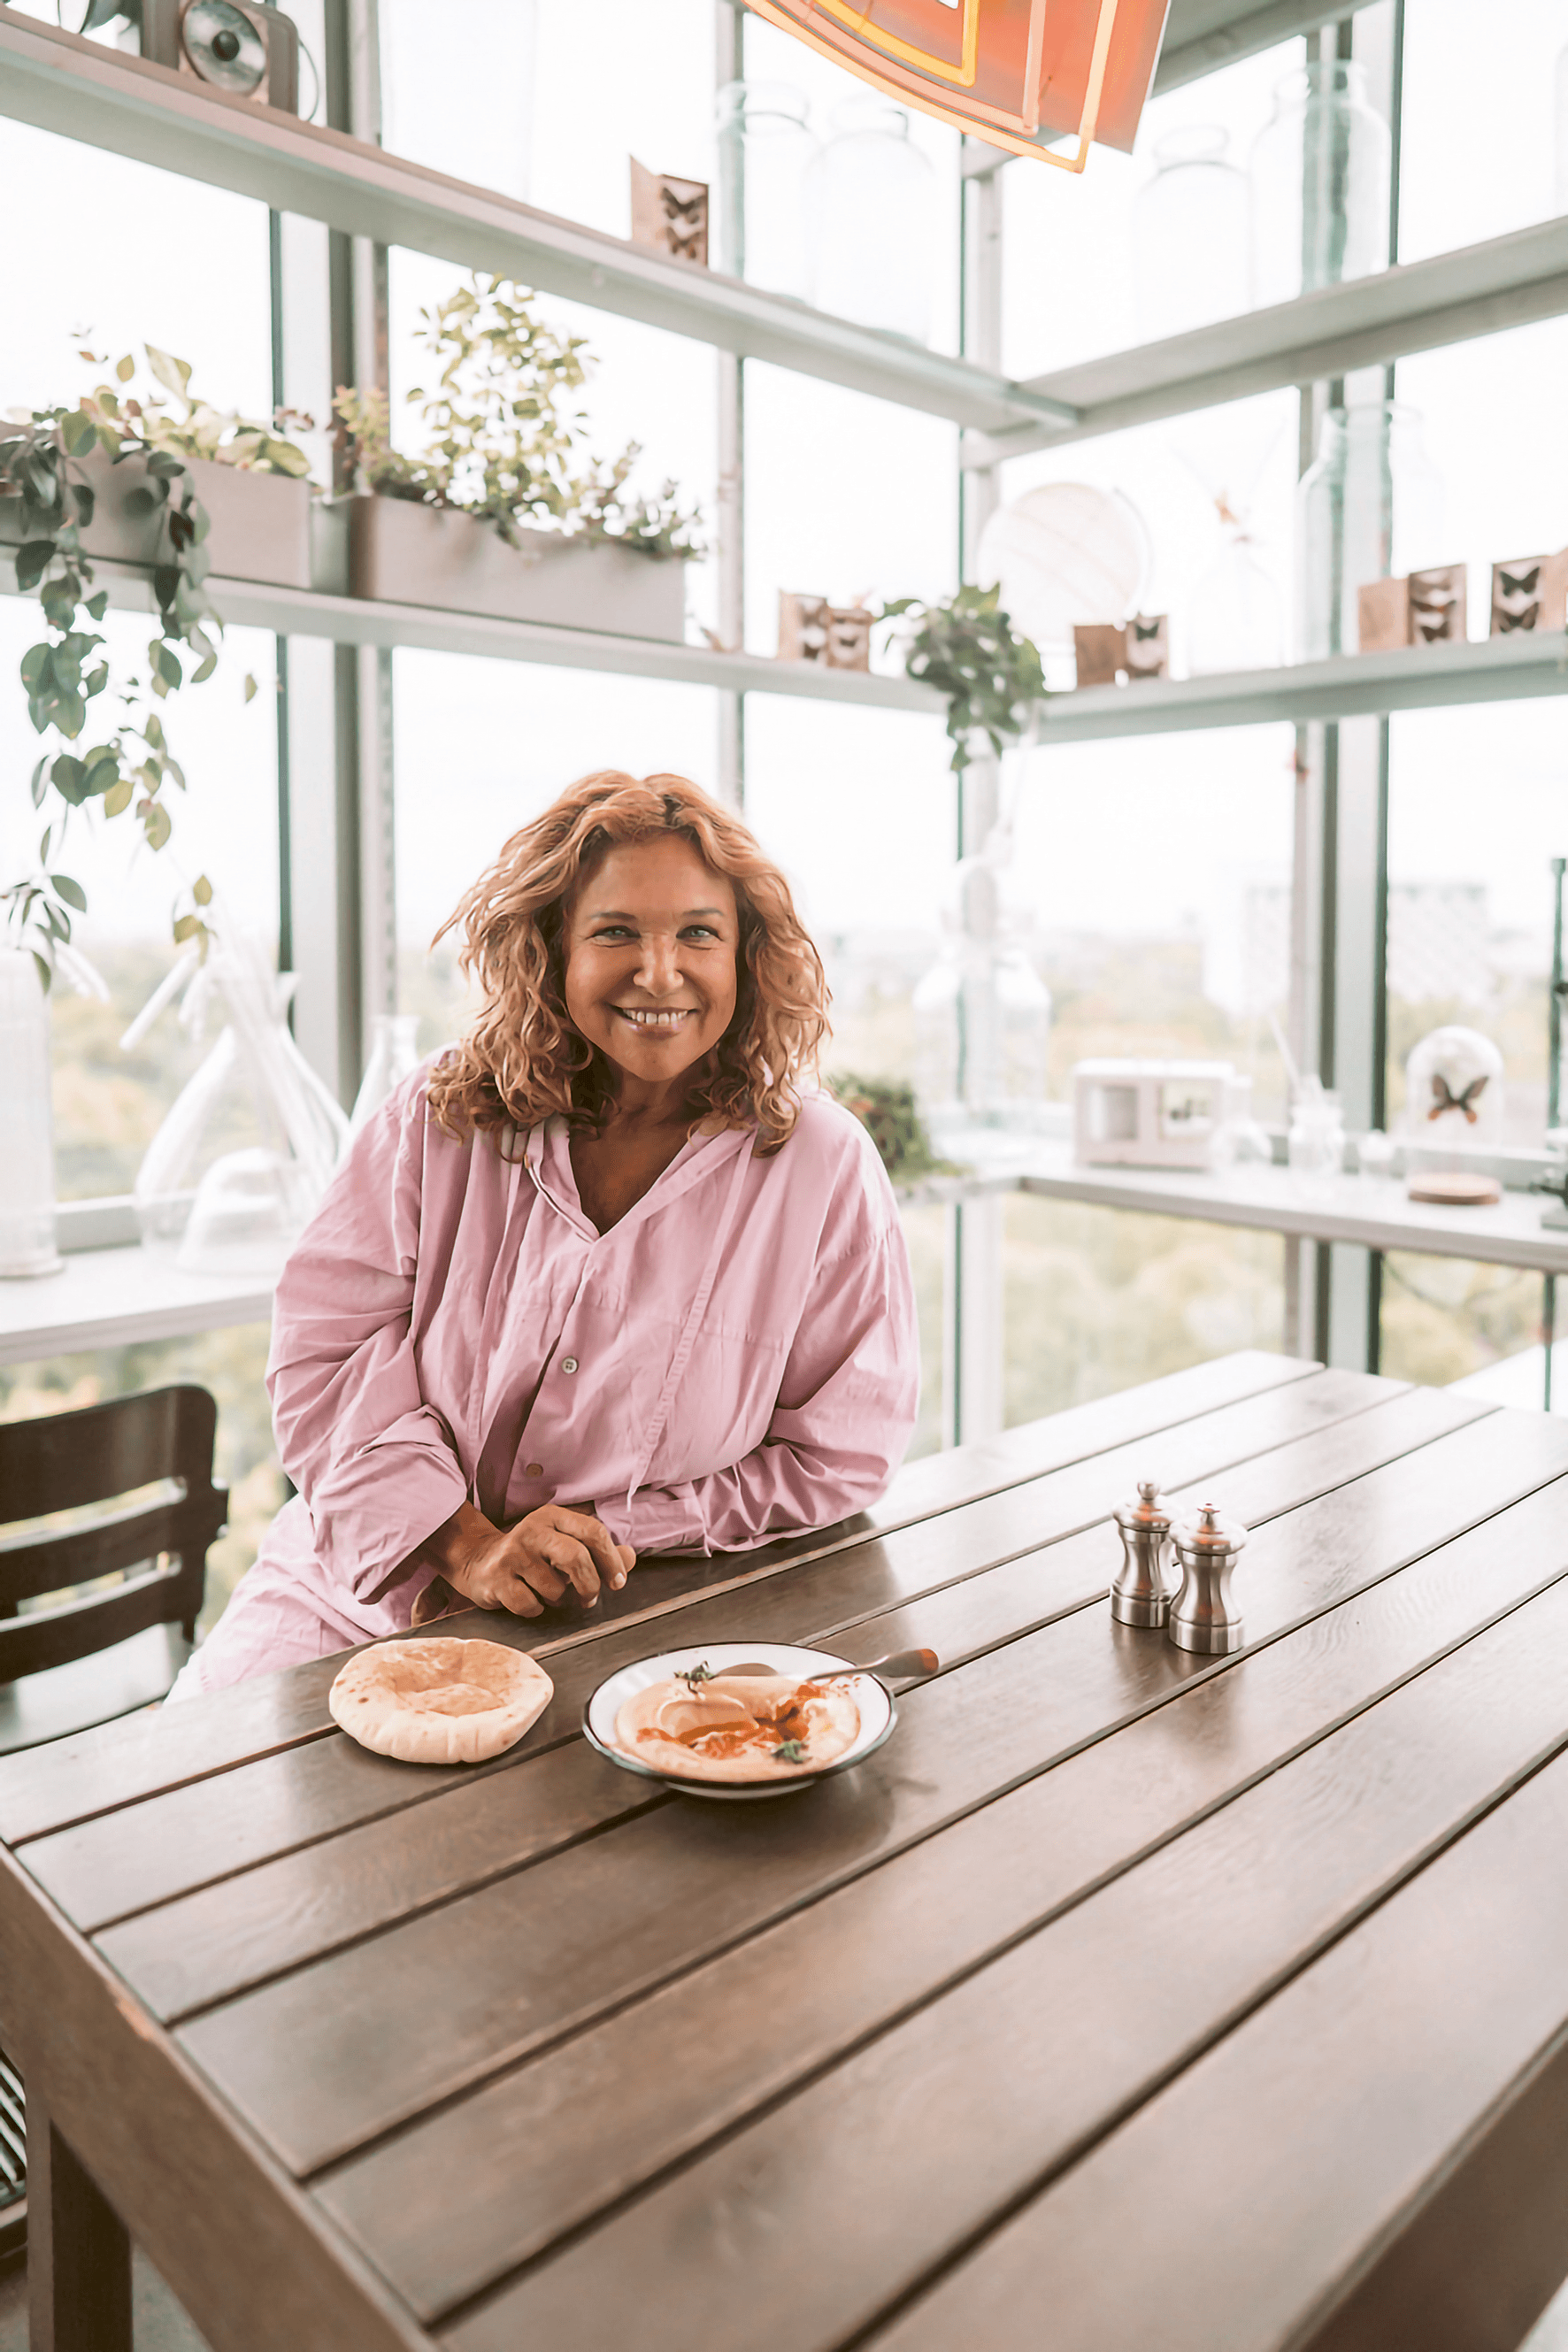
118,1763
167,1846
689,2063
1310,2137
384,2028
953,2119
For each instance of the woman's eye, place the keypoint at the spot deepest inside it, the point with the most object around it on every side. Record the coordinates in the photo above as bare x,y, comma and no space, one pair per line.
612,932
699,931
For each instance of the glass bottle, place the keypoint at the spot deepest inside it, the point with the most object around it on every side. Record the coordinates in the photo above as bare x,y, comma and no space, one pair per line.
765,147
26,1120
248,1146
394,1056
871,221
1321,171
983,1014
1192,236
1315,1147
1370,505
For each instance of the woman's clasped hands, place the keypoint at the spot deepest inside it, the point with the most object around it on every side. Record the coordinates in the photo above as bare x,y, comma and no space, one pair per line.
523,1568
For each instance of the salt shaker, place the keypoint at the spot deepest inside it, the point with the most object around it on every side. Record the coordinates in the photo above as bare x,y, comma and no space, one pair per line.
1141,1595
1201,1614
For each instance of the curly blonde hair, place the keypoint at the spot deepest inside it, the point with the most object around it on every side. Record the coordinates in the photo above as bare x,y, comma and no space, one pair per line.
524,1059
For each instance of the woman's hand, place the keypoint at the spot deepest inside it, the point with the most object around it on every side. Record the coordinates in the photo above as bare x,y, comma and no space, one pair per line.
522,1568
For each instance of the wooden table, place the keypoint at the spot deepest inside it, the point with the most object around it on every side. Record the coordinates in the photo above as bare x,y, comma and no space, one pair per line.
1124,1999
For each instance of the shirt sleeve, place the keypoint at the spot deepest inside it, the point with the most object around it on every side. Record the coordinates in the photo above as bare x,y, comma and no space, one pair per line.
846,1408
377,1466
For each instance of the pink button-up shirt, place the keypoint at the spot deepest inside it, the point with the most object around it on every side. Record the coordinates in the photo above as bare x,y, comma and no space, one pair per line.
735,1360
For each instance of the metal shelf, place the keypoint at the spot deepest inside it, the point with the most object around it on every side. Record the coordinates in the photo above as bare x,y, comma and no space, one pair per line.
1351,686
1202,36
355,621
1416,678
1481,289
59,82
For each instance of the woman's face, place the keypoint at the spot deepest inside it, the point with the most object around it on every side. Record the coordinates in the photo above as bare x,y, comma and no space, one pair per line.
651,940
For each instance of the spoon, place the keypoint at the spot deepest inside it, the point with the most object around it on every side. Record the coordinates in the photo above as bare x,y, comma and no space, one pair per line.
898,1666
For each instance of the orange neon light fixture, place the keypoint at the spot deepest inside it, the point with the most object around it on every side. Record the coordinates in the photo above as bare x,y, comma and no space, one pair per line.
1015,72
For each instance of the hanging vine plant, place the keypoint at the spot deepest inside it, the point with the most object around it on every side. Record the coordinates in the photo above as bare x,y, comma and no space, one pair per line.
969,650
69,680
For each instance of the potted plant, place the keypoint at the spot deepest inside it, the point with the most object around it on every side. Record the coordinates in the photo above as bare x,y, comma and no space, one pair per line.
51,464
890,1116
247,478
969,650
502,511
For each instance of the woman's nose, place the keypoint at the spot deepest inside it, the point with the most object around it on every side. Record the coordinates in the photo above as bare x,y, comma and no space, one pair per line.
659,968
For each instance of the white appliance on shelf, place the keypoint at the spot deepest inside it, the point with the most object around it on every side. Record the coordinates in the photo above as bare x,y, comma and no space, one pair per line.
1149,1114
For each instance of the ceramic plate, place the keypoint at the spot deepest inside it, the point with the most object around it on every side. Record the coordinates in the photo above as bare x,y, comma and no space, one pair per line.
875,1700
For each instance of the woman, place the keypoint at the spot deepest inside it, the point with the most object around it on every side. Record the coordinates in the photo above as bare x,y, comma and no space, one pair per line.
609,1279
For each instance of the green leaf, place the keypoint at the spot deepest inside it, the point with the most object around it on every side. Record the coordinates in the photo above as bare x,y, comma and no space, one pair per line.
202,891
117,799
33,558
186,927
158,824
40,782
46,970
78,433
38,667
69,777
97,605
72,892
163,466
250,687
95,681
167,664
86,502
71,715
172,374
125,369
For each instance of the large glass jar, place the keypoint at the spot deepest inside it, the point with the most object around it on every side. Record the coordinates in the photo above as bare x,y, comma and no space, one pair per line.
871,221
765,147
1321,174
1370,504
1192,236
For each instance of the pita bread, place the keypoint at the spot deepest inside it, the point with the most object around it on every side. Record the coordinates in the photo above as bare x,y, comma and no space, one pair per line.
439,1701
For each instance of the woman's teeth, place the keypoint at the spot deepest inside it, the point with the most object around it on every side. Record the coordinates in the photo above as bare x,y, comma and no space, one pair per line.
641,1020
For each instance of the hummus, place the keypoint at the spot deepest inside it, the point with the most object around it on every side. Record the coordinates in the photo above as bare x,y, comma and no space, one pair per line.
738,1727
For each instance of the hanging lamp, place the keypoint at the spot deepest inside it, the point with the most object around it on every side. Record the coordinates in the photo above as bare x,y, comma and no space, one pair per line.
1016,73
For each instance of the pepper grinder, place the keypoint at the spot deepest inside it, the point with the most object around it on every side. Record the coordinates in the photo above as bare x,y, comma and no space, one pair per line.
1141,1595
1202,1616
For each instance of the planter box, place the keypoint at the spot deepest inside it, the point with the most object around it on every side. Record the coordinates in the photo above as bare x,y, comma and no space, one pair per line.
260,522
400,553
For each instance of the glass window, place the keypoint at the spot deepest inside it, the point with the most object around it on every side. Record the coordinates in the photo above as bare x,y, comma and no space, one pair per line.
1478,154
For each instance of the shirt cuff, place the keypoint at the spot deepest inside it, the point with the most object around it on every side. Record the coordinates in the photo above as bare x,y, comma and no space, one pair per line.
658,1518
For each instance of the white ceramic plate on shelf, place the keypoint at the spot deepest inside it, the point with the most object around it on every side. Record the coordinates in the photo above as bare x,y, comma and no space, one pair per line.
874,1699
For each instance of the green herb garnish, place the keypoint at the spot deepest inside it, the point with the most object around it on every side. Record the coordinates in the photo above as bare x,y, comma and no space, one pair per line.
791,1752
692,1675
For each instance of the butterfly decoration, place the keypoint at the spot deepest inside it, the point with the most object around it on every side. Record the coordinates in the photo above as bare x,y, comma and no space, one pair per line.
670,214
1529,594
1444,1099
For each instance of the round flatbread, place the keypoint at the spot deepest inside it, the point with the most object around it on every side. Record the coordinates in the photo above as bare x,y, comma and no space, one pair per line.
738,1728
439,1701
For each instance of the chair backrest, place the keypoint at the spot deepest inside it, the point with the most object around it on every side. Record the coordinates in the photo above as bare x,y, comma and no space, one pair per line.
68,1461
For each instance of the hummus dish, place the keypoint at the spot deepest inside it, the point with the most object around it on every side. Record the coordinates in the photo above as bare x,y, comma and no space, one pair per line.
717,1727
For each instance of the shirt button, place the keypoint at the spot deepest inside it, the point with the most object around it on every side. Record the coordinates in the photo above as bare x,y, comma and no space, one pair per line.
568,1363
533,1470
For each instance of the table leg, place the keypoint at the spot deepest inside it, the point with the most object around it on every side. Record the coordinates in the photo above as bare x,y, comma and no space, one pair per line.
78,2252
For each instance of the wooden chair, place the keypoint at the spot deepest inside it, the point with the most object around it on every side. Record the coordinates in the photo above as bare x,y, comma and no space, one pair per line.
102,1649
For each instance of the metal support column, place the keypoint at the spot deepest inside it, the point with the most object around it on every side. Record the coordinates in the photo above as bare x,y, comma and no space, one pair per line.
974,1290
730,549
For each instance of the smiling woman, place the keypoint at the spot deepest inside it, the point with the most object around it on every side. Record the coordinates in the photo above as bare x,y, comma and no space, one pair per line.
616,1246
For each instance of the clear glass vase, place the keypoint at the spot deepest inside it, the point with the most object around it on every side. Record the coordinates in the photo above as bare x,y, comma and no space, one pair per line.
248,1147
1370,504
1192,236
871,221
765,148
394,1056
1320,172
26,1120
